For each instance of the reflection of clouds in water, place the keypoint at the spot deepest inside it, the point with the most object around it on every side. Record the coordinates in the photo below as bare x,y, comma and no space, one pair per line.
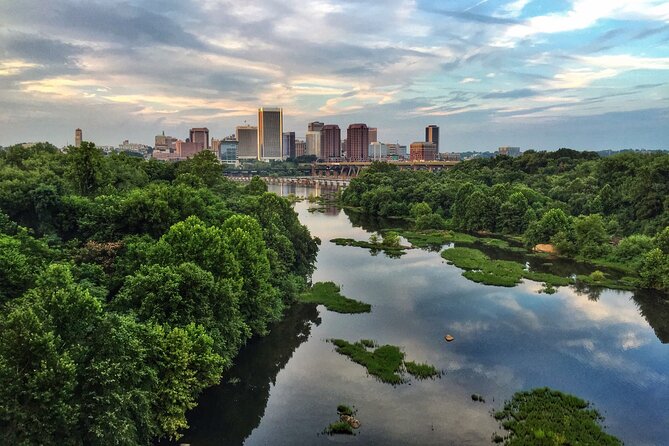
613,307
587,351
632,340
464,328
525,315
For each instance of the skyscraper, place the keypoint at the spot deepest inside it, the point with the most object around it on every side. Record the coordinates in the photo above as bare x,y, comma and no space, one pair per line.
77,137
314,143
270,133
300,147
228,152
373,136
432,135
315,126
289,144
247,138
331,142
200,136
357,142
423,151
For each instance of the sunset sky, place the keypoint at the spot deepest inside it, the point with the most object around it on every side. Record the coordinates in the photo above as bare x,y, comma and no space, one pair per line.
586,74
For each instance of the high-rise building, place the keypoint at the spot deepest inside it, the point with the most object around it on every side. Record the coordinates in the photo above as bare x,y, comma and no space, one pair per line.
77,137
247,142
315,126
331,142
373,135
357,142
187,149
397,150
423,151
270,133
228,150
314,143
378,151
300,147
289,145
200,135
215,146
432,135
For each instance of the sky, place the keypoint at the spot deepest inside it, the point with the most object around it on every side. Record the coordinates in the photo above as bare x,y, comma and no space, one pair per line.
585,74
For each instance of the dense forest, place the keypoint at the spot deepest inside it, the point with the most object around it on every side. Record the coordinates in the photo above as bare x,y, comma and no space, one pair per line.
127,286
613,210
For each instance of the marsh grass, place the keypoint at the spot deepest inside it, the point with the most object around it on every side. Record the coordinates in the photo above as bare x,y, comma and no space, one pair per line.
339,427
328,294
391,250
386,363
544,416
482,269
421,371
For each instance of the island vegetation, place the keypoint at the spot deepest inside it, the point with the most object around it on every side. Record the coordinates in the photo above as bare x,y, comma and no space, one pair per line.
610,211
545,417
328,294
128,286
385,362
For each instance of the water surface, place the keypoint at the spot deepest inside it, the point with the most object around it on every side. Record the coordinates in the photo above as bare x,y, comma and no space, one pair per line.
609,347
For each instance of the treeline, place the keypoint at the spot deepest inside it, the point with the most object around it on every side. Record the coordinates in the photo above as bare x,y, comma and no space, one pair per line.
127,287
613,209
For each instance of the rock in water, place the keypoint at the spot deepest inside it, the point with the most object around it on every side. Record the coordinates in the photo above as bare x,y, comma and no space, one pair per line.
449,338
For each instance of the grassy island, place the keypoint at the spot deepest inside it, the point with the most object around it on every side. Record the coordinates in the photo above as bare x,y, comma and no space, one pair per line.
385,362
547,417
480,268
328,294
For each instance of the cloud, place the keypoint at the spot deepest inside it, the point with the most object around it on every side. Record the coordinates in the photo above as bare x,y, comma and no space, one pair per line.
168,64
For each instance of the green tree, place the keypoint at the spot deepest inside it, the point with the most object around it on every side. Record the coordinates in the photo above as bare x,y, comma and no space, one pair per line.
591,236
203,165
85,167
513,212
654,270
420,209
256,186
391,238
552,222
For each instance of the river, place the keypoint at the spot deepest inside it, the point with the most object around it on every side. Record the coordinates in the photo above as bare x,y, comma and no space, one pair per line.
609,347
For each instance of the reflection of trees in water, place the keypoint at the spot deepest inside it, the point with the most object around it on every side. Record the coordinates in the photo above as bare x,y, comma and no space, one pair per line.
593,292
373,223
655,308
226,414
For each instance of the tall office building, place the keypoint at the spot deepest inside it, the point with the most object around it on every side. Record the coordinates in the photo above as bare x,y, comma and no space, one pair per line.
289,145
357,142
373,135
315,126
378,151
331,142
314,143
228,151
423,151
77,137
270,133
215,146
247,142
432,135
200,136
300,147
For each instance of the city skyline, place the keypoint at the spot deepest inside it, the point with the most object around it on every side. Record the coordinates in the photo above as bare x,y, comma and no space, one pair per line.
531,73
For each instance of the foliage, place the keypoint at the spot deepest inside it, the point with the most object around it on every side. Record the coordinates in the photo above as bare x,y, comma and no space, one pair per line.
576,201
127,287
421,371
328,294
384,362
548,417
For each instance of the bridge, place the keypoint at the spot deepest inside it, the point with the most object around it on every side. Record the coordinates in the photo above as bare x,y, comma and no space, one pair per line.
350,169
301,181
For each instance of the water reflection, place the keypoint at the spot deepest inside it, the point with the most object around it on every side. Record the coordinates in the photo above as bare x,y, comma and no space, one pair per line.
599,344
228,413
